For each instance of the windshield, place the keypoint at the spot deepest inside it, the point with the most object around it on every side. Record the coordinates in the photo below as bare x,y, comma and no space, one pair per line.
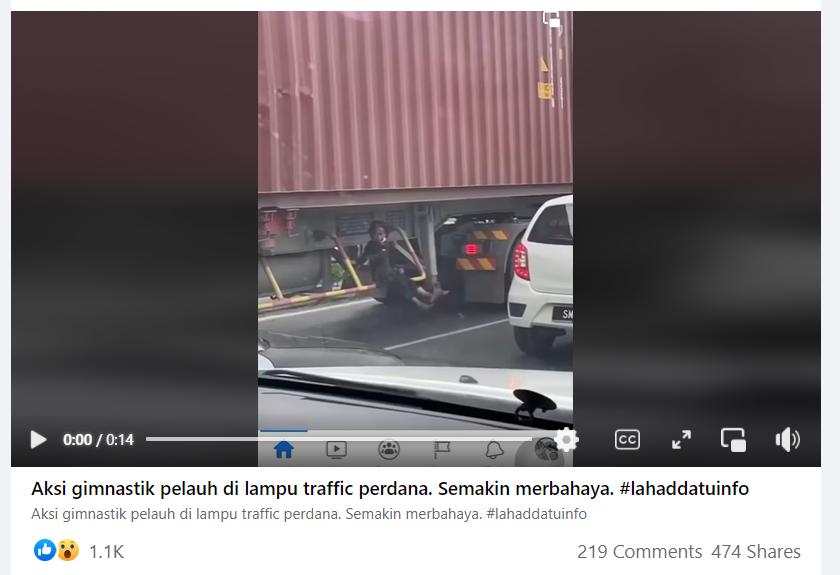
554,226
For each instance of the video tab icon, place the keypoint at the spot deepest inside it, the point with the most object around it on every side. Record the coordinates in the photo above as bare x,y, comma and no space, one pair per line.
628,439
336,449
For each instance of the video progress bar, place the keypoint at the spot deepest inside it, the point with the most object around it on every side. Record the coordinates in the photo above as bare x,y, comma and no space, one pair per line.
481,433
297,438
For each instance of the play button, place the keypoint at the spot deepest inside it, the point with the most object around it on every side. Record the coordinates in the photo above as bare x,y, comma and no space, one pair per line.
35,439
336,449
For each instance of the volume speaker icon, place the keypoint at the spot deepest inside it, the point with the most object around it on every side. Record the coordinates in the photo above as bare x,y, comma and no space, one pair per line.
788,439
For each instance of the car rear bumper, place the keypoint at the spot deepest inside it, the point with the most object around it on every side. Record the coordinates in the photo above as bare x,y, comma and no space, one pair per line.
535,307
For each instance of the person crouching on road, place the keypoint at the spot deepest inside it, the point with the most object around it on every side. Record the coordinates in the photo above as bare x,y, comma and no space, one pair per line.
379,252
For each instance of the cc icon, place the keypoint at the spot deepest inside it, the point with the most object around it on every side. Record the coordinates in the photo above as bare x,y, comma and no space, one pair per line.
627,439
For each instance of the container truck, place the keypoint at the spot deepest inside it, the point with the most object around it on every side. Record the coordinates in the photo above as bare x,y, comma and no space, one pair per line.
451,127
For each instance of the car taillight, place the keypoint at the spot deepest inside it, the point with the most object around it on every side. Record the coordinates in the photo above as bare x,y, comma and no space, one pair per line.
471,249
520,262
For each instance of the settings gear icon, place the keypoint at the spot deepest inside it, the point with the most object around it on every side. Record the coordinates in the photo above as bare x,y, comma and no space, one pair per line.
567,439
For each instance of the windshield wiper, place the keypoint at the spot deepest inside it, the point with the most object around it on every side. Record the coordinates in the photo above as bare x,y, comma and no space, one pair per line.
531,402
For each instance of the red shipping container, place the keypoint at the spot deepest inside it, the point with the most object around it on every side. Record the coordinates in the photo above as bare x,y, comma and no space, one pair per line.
388,100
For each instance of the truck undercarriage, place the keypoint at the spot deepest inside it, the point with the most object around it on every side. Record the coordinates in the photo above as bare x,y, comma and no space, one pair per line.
306,253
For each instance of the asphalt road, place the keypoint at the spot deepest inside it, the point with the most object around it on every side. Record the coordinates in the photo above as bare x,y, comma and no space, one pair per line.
464,336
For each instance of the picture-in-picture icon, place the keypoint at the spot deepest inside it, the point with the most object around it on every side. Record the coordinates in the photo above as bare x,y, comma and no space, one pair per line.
734,438
552,19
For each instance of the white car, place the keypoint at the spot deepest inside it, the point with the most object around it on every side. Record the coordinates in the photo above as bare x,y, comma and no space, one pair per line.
540,296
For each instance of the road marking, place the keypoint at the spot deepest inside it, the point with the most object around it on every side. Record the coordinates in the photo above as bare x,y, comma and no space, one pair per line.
447,334
281,314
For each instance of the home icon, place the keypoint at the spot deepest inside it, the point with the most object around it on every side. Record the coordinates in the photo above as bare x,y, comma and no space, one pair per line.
284,447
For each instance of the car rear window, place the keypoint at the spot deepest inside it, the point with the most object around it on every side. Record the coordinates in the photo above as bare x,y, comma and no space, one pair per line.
554,226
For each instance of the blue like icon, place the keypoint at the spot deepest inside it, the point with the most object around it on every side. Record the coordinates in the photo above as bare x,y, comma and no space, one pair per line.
45,550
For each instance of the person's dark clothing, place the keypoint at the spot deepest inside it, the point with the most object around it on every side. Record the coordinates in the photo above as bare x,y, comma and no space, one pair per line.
379,257
384,273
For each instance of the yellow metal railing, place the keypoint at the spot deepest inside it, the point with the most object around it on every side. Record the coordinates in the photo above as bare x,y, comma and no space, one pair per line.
417,262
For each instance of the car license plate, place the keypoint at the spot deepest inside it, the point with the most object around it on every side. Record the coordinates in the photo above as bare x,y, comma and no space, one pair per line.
562,313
